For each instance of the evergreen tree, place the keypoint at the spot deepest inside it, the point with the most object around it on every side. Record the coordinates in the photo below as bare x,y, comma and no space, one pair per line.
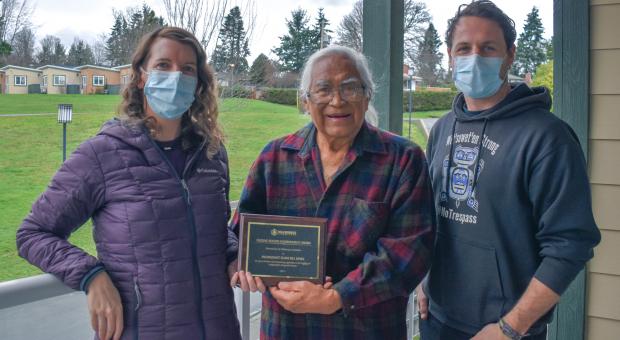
80,53
531,46
429,57
262,71
549,49
297,45
321,20
60,53
232,44
128,28
52,51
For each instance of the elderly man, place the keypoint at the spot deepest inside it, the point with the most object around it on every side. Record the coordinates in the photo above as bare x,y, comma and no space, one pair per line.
515,222
373,188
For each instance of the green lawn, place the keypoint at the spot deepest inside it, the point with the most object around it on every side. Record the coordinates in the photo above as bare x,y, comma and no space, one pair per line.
48,103
425,114
30,153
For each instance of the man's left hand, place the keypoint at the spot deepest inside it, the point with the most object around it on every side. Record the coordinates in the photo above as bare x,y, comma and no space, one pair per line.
490,332
307,297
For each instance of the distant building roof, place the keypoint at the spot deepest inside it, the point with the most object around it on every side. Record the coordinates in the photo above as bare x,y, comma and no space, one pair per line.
19,68
121,66
64,68
114,69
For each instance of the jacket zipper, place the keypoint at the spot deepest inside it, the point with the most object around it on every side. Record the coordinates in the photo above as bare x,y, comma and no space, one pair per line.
138,294
192,225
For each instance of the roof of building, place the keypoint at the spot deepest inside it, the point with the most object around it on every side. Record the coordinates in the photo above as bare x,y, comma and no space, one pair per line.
64,68
113,69
19,68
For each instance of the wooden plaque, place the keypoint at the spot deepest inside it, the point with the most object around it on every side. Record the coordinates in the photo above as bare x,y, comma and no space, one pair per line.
283,248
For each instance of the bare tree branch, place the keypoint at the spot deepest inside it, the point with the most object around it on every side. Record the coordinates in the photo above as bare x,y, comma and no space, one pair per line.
204,17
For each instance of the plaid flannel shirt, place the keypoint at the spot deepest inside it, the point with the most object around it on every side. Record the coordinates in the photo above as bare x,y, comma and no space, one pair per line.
381,225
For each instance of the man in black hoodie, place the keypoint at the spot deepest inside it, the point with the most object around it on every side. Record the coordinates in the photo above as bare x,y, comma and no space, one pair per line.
515,222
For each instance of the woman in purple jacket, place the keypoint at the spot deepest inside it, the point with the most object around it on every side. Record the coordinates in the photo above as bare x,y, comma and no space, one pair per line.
155,183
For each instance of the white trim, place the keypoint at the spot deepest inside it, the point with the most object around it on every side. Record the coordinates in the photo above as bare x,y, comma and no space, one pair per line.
20,68
20,76
121,67
45,81
58,68
55,83
84,81
96,83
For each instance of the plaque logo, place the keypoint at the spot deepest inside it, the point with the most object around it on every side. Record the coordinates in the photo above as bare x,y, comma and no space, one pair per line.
276,232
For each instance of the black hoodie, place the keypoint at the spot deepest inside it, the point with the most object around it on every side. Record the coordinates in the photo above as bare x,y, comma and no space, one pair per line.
515,206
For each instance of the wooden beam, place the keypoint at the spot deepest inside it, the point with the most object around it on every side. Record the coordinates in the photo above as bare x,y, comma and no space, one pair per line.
571,79
383,46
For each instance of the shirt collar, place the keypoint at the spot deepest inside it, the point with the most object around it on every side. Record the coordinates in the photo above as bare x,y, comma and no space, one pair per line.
304,140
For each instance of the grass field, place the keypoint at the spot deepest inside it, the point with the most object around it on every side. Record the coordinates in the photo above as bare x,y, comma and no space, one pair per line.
30,153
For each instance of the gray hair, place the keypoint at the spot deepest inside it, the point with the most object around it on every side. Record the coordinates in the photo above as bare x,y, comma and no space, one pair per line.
361,64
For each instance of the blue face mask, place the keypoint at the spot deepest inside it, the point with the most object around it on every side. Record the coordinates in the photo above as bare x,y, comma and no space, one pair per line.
170,94
477,77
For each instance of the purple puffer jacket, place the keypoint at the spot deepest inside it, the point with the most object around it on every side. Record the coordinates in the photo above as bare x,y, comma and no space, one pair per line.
162,240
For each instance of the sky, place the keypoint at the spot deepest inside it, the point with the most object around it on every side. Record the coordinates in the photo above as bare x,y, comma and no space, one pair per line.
88,19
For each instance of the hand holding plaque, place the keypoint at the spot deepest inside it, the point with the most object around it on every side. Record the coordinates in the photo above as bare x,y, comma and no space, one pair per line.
283,248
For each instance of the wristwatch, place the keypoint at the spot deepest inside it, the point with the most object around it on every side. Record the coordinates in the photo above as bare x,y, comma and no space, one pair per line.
509,331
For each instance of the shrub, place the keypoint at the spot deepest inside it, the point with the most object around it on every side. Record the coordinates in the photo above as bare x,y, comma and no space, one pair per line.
287,96
237,91
429,101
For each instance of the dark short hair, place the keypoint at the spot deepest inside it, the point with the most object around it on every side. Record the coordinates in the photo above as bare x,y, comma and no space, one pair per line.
483,9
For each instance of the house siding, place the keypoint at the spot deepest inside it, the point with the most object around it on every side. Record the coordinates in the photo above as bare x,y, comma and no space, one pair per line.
71,78
111,78
125,71
603,302
32,77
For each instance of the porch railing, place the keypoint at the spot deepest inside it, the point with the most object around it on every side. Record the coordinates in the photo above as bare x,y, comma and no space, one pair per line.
41,306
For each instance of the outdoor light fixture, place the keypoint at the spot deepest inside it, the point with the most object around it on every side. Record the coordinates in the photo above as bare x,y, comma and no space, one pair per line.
65,114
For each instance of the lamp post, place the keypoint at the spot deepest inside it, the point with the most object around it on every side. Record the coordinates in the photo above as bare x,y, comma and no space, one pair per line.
411,87
65,113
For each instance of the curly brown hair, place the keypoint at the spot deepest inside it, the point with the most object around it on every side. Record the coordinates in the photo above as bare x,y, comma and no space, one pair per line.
201,118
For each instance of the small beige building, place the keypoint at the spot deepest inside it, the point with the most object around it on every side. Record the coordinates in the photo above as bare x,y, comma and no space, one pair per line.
2,82
55,79
96,79
125,74
17,78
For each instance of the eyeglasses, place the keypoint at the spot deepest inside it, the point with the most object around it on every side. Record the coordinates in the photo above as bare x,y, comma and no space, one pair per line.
350,92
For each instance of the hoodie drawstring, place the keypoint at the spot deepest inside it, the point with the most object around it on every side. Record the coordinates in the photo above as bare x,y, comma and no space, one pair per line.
477,166
450,161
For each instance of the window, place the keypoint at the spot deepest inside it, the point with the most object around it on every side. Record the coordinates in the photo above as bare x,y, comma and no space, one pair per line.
44,81
125,79
20,80
59,80
98,80
84,81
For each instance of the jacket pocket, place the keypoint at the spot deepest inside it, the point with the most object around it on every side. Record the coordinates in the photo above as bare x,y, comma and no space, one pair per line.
365,223
465,281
